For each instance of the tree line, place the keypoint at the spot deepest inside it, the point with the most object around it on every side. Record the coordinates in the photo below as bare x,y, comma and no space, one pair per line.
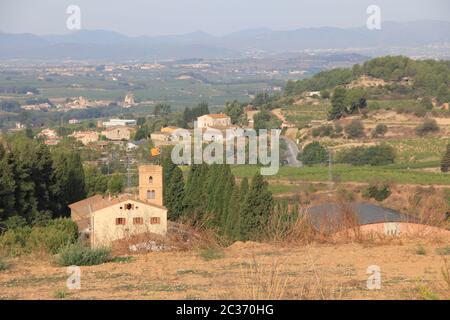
430,77
36,181
211,196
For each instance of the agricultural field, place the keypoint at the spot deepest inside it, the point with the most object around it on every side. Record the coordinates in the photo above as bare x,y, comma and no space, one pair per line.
301,115
147,88
347,173
392,104
419,149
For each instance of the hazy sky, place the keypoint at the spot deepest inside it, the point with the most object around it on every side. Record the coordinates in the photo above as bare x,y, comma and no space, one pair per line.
151,17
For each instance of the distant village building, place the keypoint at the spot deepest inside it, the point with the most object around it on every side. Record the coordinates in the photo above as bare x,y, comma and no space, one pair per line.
105,219
119,122
129,100
37,107
80,103
50,137
47,134
73,121
166,136
118,133
312,94
213,120
20,125
86,137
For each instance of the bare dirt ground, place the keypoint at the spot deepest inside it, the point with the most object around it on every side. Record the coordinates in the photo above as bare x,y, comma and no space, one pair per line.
410,269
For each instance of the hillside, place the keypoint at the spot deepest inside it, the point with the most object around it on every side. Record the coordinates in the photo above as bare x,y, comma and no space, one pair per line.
410,269
107,45
395,74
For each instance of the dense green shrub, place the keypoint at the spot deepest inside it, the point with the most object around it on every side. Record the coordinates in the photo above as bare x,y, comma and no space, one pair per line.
322,131
428,126
355,129
380,130
78,255
313,153
378,191
375,156
427,103
56,235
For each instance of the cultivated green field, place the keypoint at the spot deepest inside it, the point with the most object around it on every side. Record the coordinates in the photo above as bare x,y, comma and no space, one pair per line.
419,149
302,115
347,173
146,87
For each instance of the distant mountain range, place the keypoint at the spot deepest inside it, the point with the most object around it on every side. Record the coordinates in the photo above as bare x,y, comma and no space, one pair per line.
112,46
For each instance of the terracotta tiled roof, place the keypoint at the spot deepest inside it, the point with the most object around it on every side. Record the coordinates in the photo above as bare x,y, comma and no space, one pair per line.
82,209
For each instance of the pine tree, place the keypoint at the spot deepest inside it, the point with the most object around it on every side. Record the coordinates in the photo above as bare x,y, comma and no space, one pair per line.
257,208
445,163
229,186
25,202
69,179
7,187
338,102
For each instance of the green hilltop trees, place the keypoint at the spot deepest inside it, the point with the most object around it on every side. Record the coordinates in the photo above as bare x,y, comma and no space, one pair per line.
346,102
429,77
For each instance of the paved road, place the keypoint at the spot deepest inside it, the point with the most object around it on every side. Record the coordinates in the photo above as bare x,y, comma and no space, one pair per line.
292,153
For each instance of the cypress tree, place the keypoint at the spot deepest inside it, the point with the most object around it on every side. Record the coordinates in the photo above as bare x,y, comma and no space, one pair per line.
228,189
257,208
211,186
232,227
237,201
194,197
168,169
176,190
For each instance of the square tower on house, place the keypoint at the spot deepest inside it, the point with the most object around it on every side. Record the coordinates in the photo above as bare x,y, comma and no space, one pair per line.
151,184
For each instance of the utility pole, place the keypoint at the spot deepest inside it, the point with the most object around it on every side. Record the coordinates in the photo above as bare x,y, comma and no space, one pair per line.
128,170
330,173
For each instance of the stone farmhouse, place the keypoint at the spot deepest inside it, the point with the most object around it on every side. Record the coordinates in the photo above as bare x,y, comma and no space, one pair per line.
213,120
105,219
